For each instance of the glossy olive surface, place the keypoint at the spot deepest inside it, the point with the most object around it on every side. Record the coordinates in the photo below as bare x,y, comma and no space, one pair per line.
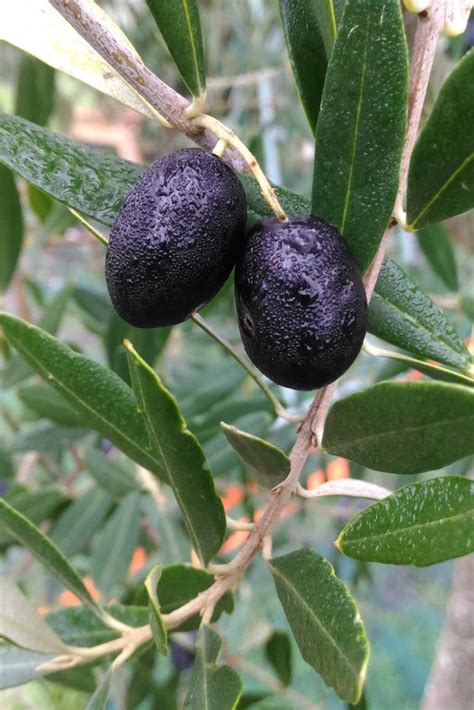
175,240
300,301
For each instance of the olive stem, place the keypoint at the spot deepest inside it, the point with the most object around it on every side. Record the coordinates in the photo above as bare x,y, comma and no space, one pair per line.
220,148
352,487
95,232
278,407
238,525
232,139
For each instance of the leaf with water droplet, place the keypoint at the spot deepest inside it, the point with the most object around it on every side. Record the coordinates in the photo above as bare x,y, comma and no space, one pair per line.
420,524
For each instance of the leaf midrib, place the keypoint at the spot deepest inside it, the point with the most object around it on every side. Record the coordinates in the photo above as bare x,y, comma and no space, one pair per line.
410,429
356,129
389,533
442,189
193,46
311,612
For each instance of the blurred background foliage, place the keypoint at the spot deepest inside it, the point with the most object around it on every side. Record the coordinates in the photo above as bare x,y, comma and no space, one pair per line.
53,470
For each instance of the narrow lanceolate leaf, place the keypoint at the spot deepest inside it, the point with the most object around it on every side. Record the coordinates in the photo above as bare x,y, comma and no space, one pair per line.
110,475
438,250
436,372
361,126
403,315
420,524
45,551
35,91
117,541
278,653
212,687
178,22
103,400
95,182
80,521
160,635
48,403
324,620
441,175
309,45
98,700
266,462
18,665
403,427
11,226
21,624
37,28
181,457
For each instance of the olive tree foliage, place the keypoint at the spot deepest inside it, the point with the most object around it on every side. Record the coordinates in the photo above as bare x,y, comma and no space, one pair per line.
375,174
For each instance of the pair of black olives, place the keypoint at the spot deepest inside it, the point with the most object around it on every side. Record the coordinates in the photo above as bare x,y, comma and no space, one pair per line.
300,300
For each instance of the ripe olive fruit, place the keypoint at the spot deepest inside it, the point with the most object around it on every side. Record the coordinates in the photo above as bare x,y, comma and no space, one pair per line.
175,239
300,301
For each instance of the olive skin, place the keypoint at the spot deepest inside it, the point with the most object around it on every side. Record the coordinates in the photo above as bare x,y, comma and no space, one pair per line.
301,303
175,239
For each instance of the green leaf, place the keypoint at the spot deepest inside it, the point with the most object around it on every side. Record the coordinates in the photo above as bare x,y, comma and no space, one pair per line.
403,427
91,180
402,314
99,699
420,524
438,250
114,550
36,506
41,203
441,174
324,620
78,626
49,37
361,126
181,457
109,474
309,45
278,653
18,666
436,372
11,226
103,400
78,523
179,584
266,462
180,26
46,437
160,635
21,624
212,687
48,403
45,551
35,91
272,702
148,341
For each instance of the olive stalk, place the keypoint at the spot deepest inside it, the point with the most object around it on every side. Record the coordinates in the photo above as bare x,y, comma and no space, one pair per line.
276,404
